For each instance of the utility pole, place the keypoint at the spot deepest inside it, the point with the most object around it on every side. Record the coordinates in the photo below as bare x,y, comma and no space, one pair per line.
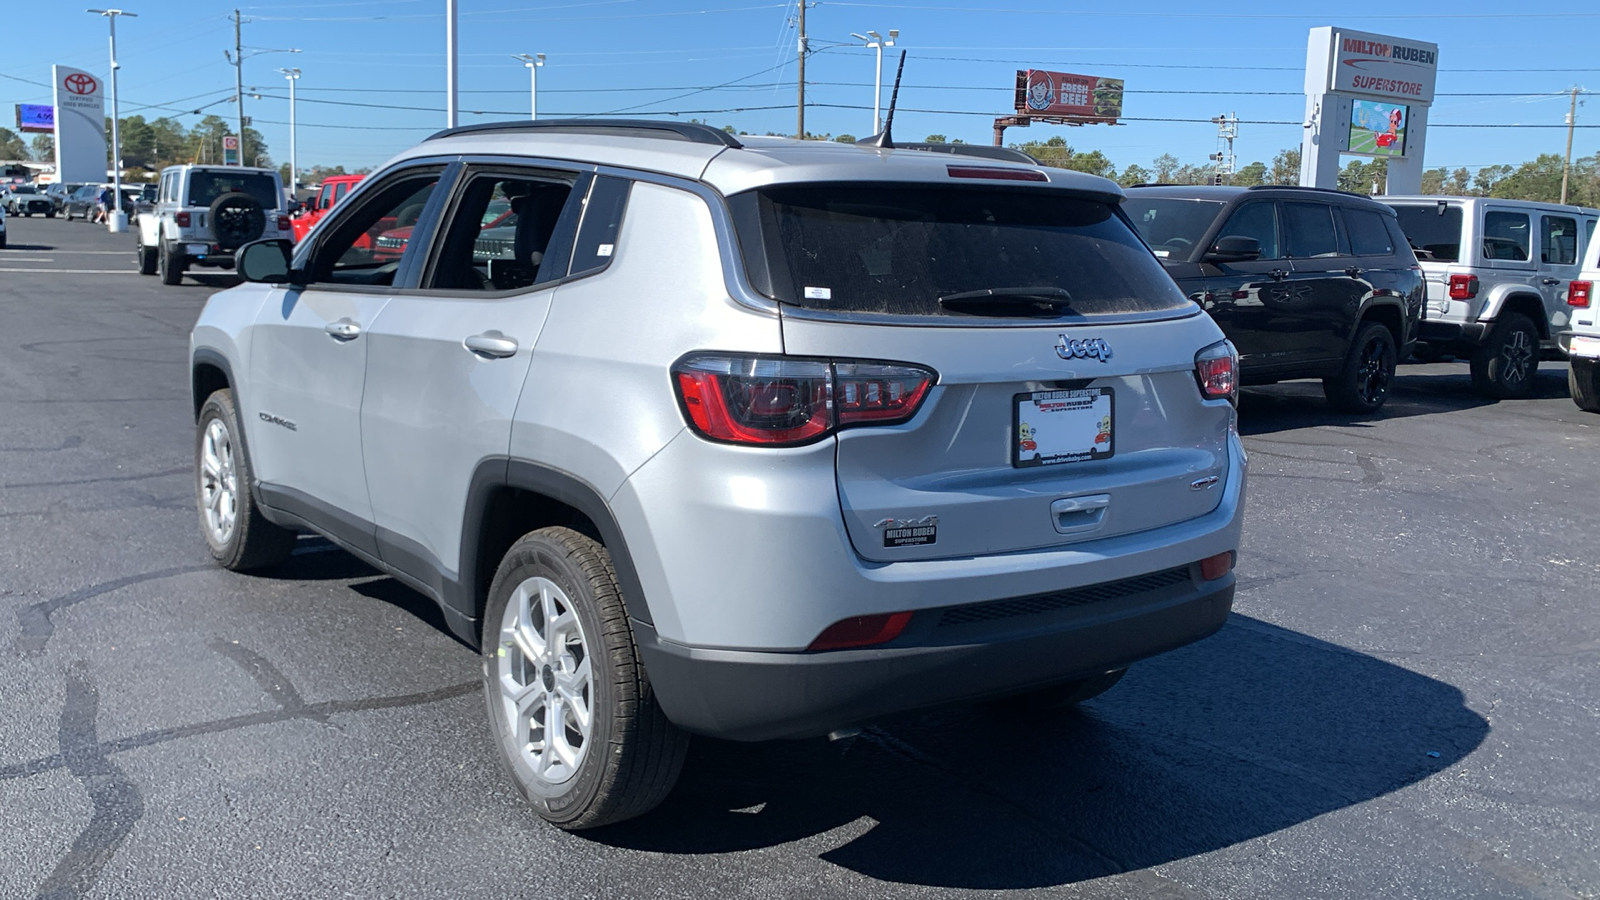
294,172
238,81
800,107
1566,168
452,116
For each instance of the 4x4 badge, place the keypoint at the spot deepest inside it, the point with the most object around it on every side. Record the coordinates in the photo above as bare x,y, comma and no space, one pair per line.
1094,348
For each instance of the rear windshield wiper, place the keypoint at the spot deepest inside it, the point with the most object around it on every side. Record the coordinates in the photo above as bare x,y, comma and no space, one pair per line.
1010,301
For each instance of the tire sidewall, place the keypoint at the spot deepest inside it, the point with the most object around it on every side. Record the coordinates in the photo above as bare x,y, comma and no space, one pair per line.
537,555
1369,334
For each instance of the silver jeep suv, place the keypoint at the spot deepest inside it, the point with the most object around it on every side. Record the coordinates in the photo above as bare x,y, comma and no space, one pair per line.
202,214
1497,273
751,437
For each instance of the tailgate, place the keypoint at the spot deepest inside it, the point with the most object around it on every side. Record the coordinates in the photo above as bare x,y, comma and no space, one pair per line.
1095,447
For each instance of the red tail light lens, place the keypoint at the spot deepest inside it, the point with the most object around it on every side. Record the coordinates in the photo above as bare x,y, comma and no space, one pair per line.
284,224
785,402
182,219
1214,567
996,174
861,631
1463,287
1217,369
1580,293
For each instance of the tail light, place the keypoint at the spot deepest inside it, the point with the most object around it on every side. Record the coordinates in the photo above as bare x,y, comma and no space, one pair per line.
1463,287
1214,567
284,224
776,401
182,219
1217,369
1579,293
861,631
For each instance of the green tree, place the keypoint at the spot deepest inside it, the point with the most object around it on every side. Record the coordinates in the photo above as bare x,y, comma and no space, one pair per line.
12,146
1538,179
1134,174
1433,180
934,139
1058,153
1483,183
1251,175
1166,166
1460,181
845,139
44,147
1285,167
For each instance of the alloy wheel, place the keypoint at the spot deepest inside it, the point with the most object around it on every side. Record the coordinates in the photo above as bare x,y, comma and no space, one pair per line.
1372,376
219,483
1517,354
546,680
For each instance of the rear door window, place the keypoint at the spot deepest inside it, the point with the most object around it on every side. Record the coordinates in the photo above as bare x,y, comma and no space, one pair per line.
1558,240
1308,228
895,249
500,235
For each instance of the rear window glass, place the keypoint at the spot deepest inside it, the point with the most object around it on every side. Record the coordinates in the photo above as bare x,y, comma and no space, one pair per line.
206,187
896,249
1433,230
1171,226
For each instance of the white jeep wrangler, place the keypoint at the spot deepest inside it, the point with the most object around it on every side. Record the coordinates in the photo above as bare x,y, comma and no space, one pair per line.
204,213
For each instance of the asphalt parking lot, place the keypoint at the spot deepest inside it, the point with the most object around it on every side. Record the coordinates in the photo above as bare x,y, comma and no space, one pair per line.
1403,704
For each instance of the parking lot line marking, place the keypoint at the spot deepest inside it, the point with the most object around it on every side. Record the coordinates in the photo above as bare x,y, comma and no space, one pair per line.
76,271
30,259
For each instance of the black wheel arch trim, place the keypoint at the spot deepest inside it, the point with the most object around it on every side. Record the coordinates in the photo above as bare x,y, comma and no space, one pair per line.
209,357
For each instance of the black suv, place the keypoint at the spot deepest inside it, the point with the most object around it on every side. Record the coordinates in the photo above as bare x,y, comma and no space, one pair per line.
1307,283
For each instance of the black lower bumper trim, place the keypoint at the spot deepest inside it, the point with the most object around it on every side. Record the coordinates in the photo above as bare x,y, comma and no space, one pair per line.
1445,335
754,695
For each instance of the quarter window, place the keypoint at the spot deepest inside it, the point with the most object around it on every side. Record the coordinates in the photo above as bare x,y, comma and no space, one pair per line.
1259,221
1309,228
1505,236
1368,236
602,221
1559,241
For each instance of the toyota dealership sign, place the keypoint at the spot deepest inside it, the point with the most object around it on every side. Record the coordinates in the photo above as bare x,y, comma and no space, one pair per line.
80,126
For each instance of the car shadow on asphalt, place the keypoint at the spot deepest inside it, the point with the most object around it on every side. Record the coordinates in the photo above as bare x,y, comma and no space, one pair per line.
1249,732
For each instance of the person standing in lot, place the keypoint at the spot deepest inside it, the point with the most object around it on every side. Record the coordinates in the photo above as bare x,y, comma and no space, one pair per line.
102,206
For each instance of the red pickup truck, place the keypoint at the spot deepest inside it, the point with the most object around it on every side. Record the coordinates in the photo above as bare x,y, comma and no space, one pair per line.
334,187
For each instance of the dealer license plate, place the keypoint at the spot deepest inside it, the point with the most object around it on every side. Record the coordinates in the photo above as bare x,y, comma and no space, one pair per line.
1054,427
1585,346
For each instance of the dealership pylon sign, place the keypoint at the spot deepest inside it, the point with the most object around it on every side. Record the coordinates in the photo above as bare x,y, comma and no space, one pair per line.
1367,95
80,125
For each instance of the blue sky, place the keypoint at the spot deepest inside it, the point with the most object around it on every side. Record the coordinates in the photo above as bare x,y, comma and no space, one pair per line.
658,55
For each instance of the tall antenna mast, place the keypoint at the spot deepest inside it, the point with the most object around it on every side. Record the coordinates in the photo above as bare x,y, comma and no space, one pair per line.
882,138
1227,130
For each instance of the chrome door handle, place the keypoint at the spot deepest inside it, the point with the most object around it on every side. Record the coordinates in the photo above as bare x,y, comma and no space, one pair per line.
491,344
1552,281
343,330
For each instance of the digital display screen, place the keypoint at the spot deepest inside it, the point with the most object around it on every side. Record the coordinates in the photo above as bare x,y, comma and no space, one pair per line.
36,117
1378,129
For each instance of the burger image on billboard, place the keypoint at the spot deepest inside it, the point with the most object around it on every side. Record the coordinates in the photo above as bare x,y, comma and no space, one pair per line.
1108,97
1378,129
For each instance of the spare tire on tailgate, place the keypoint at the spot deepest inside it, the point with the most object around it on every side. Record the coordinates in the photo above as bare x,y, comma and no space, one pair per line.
236,219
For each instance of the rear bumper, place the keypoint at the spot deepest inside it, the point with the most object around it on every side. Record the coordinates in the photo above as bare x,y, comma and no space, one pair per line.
753,695
1448,334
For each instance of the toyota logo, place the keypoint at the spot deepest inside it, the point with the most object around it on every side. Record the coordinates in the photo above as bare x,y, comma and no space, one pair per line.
79,83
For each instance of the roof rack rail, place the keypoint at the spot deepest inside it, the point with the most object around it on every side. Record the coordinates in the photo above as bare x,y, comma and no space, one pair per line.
692,132
1301,187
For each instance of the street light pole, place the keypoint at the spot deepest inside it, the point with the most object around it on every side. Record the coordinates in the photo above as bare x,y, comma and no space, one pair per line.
451,113
875,41
533,63
292,75
117,220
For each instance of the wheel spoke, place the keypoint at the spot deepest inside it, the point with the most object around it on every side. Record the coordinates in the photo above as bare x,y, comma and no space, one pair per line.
575,689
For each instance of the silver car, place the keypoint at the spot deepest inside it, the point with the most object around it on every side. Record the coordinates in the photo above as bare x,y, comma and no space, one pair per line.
752,438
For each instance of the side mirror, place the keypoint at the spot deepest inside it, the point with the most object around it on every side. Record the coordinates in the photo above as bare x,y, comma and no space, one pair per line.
1234,248
325,203
266,262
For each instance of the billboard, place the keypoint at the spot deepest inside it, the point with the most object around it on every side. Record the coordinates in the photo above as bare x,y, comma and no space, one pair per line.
1047,94
1377,128
1381,66
80,126
36,117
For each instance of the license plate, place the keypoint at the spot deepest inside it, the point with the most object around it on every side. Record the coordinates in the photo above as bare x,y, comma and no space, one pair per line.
1585,346
1054,427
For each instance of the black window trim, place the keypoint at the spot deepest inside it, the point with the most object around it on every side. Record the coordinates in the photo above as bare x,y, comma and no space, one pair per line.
1229,213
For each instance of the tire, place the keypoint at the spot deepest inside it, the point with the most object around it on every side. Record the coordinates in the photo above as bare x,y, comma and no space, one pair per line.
1583,380
1362,385
69,214
629,759
236,219
1062,696
169,265
145,257
243,540
2,242
50,215
1507,365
